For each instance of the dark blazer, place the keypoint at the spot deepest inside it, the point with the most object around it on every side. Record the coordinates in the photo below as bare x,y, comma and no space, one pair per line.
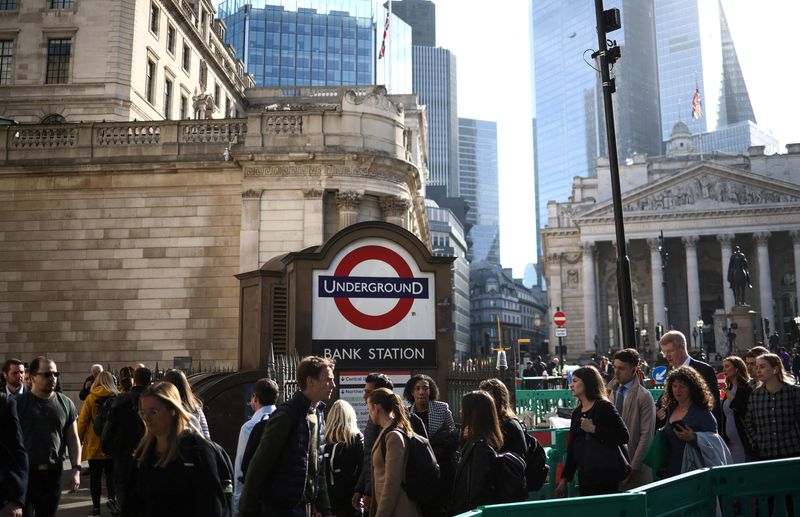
739,407
610,429
710,376
513,437
13,458
473,485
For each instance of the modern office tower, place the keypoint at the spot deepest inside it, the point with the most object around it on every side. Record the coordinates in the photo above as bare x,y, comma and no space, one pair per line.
477,163
421,16
448,239
319,43
435,86
695,49
570,127
736,139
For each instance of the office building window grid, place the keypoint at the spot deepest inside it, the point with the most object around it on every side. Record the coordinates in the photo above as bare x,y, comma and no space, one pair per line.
6,61
58,56
8,5
62,4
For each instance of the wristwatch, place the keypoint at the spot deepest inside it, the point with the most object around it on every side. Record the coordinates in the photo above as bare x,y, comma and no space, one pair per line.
77,467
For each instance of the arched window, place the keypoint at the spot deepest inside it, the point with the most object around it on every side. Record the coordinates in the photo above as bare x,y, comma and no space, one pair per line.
53,119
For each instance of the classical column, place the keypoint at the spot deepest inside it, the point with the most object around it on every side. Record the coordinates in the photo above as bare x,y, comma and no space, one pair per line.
395,210
348,202
589,297
657,275
313,217
764,278
725,243
796,245
248,236
692,279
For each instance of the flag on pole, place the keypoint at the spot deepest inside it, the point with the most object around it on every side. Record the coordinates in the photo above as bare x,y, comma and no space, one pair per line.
385,35
697,105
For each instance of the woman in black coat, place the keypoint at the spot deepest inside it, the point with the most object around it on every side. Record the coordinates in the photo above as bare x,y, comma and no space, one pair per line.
595,418
510,426
473,484
344,455
734,408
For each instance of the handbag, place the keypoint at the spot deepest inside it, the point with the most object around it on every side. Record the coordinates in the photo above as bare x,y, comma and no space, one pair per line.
656,456
603,461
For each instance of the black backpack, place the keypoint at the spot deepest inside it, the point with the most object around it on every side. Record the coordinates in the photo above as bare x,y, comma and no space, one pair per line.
252,444
103,405
189,453
421,477
536,467
509,478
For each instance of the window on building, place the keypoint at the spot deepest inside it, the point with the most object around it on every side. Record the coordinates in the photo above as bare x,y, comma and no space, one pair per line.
150,84
155,17
171,39
184,106
167,99
8,5
58,55
62,4
227,107
203,74
6,61
217,100
186,60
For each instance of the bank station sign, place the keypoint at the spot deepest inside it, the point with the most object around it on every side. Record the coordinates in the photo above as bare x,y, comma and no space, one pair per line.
373,307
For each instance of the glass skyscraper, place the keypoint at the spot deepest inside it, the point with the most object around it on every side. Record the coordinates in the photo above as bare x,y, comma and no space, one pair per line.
477,163
695,47
318,43
570,127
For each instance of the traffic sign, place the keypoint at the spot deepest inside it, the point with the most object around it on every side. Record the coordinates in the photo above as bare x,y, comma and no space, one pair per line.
561,332
560,319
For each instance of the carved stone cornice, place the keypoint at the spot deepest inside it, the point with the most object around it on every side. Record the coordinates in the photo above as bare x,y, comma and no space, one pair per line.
313,193
349,200
252,194
689,241
325,171
377,98
761,237
394,206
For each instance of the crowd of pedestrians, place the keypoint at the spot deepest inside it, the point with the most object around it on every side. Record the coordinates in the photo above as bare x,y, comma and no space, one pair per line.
152,444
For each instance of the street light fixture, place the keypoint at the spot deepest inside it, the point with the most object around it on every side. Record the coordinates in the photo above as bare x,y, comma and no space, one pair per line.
699,324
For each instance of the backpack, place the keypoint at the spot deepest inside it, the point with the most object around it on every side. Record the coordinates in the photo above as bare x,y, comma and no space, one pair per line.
252,444
123,428
189,453
343,466
103,405
536,468
421,476
509,478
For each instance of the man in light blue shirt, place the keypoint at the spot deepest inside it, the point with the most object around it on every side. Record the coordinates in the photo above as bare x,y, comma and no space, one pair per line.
263,400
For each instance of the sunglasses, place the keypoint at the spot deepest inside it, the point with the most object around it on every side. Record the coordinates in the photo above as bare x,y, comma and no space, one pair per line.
49,375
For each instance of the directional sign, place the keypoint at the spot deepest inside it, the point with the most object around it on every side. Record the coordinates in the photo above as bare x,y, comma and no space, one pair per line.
560,319
659,374
561,332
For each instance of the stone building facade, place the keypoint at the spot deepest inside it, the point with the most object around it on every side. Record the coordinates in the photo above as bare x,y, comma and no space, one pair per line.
116,60
704,207
119,242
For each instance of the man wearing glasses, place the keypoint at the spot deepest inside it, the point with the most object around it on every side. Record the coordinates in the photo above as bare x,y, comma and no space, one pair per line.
48,421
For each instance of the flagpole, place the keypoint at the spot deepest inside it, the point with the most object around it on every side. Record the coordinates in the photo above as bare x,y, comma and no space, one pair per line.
388,54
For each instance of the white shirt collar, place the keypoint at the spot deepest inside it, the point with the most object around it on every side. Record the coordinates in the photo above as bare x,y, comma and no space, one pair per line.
687,361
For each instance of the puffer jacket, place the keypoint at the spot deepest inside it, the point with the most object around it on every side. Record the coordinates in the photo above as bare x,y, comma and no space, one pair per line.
89,412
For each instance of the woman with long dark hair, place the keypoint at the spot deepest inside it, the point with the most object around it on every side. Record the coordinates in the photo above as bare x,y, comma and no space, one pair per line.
473,484
388,497
594,419
177,467
510,426
192,404
688,403
734,408
773,411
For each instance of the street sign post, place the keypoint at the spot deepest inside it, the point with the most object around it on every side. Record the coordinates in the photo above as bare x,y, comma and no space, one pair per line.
560,320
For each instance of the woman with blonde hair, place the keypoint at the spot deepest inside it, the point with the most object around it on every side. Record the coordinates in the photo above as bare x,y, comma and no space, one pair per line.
734,408
388,497
192,404
773,412
344,454
177,466
101,393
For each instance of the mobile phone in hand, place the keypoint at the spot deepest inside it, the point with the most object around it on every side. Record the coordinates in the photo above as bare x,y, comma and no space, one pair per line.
680,425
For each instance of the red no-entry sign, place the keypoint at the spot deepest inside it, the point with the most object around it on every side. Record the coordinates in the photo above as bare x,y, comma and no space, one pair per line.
560,319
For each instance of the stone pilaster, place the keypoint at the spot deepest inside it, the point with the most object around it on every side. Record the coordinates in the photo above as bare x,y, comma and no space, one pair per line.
725,243
395,210
313,217
692,278
348,202
764,278
659,304
248,235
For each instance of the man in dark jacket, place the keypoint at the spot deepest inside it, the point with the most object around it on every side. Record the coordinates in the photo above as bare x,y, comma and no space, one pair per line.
673,346
13,460
121,435
286,476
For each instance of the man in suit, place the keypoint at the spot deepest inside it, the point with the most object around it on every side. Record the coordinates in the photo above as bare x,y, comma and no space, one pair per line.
673,346
635,404
13,460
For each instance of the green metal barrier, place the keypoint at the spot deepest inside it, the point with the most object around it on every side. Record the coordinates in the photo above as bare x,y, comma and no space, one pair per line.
759,489
539,403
